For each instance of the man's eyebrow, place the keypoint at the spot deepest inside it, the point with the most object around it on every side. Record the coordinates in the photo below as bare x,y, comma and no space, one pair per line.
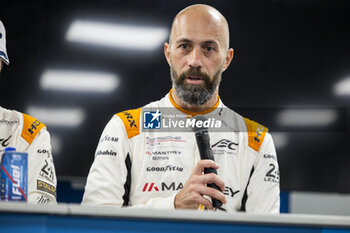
184,41
207,42
210,42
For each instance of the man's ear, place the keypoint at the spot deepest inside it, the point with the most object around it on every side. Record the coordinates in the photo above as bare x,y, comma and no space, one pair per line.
167,52
228,58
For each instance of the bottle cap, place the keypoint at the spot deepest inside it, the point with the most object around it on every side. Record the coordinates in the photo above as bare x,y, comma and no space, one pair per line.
8,149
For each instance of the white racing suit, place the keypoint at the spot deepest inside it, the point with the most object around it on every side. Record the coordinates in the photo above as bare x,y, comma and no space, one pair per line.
29,135
144,168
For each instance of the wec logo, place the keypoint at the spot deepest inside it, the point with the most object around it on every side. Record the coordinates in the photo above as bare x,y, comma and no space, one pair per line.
225,143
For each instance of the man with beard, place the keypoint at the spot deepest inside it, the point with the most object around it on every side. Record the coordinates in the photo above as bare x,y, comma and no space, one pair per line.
29,135
142,162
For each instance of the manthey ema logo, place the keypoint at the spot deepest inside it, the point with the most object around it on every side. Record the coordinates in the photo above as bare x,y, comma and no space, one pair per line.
152,119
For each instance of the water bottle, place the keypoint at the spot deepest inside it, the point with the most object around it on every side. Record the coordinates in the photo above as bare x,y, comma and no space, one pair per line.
14,175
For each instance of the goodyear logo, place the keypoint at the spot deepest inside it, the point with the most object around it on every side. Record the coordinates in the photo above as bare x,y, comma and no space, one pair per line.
43,186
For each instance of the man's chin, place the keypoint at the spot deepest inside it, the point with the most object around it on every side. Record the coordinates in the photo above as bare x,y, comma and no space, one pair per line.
193,95
193,87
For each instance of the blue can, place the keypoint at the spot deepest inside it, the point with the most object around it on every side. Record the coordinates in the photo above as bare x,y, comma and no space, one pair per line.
14,175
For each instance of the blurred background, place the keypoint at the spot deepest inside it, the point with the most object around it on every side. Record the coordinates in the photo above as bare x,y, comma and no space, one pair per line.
73,64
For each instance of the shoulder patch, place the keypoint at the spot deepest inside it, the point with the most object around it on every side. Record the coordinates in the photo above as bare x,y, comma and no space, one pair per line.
131,119
31,127
256,133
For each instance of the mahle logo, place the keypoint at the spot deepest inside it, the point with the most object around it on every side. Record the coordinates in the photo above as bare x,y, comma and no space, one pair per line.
152,119
149,187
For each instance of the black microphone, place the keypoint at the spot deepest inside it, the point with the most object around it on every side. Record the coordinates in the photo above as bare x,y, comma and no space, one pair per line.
203,143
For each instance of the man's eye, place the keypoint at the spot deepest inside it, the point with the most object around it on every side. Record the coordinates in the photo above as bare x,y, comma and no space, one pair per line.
209,49
184,46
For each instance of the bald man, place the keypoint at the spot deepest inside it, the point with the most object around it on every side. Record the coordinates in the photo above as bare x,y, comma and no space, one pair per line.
148,157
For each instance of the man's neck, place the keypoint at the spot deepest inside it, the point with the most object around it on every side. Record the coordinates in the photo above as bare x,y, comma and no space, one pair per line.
195,108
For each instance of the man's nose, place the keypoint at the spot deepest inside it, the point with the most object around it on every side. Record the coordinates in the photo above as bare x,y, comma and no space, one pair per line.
195,58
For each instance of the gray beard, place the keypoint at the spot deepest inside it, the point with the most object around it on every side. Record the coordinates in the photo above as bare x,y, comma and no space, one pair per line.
193,94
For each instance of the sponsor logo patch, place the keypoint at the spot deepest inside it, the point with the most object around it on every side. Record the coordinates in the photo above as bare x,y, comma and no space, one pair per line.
170,152
44,151
161,155
273,175
130,119
43,186
149,187
259,131
34,126
164,169
6,122
270,156
46,171
165,142
224,146
108,138
229,191
106,152
225,143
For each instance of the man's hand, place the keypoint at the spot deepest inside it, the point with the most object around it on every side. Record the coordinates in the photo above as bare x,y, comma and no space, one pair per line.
191,195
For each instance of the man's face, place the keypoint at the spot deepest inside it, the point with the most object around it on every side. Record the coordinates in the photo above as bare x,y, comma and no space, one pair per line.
197,56
193,86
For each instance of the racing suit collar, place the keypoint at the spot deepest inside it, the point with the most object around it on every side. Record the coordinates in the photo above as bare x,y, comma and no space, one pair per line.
192,114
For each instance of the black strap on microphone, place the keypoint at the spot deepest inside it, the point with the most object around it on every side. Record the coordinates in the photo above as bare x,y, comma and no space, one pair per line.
203,143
